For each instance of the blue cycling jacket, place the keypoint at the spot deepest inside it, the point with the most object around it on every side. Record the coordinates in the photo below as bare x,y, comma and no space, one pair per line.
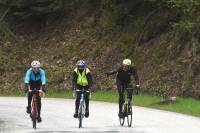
31,76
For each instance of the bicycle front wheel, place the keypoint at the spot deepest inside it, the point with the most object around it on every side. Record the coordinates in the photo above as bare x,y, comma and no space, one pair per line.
129,116
80,115
122,119
33,115
34,123
80,121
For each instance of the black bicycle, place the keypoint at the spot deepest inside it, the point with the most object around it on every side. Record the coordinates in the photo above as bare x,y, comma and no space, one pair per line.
127,109
81,109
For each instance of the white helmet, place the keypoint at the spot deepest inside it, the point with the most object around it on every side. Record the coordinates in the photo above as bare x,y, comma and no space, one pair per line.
35,64
127,62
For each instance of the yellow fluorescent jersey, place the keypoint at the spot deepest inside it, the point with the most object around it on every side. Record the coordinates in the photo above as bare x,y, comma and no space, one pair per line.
82,79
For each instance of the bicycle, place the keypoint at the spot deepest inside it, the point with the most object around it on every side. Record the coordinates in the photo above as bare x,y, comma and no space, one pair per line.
81,109
34,109
127,109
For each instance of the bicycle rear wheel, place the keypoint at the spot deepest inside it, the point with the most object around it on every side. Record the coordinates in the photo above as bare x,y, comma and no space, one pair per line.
129,116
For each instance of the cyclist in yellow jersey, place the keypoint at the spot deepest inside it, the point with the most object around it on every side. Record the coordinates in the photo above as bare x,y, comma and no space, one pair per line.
81,79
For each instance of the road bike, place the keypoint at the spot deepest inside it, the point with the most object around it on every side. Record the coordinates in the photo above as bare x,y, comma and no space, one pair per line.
34,107
81,109
127,109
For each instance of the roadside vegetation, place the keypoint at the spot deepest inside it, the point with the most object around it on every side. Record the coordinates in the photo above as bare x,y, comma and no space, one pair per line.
161,37
188,106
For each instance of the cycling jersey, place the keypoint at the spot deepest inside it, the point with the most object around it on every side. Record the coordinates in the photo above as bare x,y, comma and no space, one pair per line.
32,77
87,80
124,77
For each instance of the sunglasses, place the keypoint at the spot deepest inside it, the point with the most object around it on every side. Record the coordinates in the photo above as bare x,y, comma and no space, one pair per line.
36,68
81,67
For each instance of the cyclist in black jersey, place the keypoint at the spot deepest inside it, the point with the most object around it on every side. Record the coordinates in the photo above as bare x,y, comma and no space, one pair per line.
123,80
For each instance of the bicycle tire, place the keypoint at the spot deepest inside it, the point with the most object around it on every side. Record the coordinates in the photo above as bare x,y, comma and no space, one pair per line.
34,116
80,115
122,120
129,117
34,123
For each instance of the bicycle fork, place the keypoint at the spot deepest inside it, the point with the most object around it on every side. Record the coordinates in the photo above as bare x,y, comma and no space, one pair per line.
81,106
34,107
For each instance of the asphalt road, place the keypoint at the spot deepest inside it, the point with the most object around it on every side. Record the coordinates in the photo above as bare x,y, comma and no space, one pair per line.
57,115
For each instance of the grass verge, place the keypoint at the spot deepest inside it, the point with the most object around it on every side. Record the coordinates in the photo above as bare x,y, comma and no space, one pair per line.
189,106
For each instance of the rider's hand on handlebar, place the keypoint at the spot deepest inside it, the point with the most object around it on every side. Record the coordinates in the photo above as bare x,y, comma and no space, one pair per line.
43,88
137,89
41,93
26,88
74,92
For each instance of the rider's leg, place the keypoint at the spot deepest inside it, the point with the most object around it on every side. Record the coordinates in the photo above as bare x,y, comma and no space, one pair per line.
129,95
129,92
29,102
87,105
77,102
121,96
87,101
39,104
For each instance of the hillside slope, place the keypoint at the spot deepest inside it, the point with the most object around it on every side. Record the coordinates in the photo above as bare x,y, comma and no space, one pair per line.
103,34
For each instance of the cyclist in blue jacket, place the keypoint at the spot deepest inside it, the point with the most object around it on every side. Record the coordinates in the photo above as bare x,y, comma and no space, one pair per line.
35,78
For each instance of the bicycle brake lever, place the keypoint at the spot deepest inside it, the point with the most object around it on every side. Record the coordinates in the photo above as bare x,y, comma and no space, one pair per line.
73,94
44,94
90,95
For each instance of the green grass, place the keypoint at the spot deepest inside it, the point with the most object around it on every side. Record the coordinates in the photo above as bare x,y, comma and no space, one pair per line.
189,106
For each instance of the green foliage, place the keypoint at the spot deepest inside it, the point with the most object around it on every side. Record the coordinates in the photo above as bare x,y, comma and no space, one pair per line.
189,13
161,89
98,30
28,8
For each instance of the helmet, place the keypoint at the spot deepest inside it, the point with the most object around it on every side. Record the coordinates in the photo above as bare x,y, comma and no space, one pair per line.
127,62
81,64
35,64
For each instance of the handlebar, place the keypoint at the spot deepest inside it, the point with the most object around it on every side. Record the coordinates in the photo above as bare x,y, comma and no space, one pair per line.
82,90
34,90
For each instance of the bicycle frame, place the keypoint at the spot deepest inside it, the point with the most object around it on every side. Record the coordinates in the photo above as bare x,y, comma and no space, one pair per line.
81,110
34,109
82,105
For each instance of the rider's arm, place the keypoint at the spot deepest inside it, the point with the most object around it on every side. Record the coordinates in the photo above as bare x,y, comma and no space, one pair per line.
26,80
27,77
111,72
43,77
136,80
74,79
90,80
135,74
43,80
